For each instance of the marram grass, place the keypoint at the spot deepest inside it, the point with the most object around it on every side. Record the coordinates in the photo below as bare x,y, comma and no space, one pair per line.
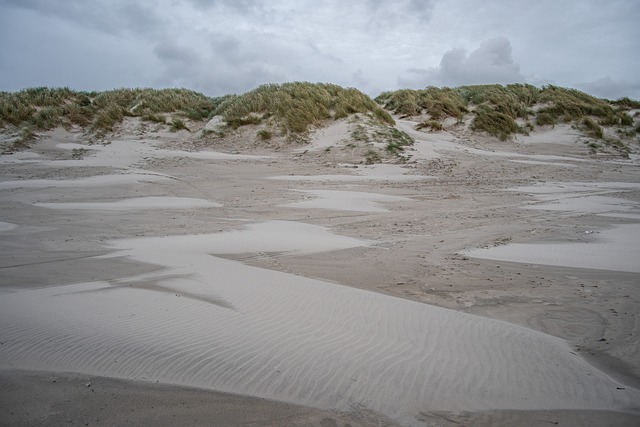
46,108
495,108
296,107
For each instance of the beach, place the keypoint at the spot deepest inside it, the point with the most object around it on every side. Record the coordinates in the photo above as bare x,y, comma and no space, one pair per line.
478,282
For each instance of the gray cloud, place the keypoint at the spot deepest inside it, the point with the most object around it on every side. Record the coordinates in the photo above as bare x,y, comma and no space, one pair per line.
383,12
609,88
174,53
223,46
492,62
113,17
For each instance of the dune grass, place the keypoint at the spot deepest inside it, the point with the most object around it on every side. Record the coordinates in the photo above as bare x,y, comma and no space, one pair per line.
292,109
431,124
44,108
495,108
438,102
296,107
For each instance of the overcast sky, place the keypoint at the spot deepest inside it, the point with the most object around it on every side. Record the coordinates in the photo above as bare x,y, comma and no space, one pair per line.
231,46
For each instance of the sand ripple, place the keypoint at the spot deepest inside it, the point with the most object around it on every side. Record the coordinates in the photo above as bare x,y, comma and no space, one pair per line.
292,338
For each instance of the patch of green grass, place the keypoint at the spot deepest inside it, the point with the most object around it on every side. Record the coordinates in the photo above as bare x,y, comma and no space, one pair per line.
265,134
495,123
178,124
107,118
396,140
47,118
359,133
544,118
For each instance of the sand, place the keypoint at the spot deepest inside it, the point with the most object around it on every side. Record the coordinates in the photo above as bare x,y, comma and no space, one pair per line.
346,201
384,297
137,203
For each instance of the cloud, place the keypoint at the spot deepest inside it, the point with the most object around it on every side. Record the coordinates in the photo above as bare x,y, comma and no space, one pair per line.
223,46
117,17
609,88
492,62
384,12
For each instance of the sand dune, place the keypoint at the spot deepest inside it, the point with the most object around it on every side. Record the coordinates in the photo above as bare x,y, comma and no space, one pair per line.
215,323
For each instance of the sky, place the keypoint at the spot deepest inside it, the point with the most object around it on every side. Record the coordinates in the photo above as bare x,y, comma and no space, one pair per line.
219,47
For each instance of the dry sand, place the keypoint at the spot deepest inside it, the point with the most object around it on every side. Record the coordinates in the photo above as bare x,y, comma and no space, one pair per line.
140,283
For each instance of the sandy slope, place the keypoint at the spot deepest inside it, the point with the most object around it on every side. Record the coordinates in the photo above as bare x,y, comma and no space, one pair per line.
208,272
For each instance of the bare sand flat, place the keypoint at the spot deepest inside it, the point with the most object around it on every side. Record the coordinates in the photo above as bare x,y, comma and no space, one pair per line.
136,204
381,172
611,249
101,180
614,249
211,283
6,226
346,200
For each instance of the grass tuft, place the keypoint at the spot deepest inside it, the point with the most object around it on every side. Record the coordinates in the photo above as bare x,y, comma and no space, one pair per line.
178,124
498,124
265,134
431,124
593,129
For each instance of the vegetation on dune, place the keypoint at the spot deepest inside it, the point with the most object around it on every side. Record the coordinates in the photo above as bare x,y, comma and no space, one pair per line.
495,109
292,109
265,134
439,102
178,124
42,108
430,124
288,109
494,122
295,107
569,105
